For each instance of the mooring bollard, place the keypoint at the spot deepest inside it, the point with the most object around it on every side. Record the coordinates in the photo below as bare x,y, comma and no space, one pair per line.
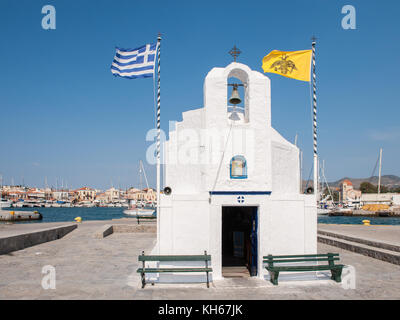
366,222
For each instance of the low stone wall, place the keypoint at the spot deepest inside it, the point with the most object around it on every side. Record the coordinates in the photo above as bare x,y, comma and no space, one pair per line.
106,230
21,241
377,253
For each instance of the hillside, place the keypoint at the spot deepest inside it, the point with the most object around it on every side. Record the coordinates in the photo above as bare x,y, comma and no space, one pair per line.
386,180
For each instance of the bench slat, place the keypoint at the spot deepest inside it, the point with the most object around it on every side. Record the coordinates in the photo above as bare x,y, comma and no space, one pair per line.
157,270
304,268
300,260
175,258
303,255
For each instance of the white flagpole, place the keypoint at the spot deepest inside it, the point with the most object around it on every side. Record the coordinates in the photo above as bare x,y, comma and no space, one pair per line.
158,139
315,121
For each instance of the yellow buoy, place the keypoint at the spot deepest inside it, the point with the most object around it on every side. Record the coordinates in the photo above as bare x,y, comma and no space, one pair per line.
366,222
78,219
12,213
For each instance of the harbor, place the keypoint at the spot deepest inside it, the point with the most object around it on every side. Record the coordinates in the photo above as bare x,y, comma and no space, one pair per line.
107,269
215,153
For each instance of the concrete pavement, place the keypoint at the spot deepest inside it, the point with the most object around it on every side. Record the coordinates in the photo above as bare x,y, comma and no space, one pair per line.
105,268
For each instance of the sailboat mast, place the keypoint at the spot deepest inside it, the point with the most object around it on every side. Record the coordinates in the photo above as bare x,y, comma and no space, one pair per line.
380,171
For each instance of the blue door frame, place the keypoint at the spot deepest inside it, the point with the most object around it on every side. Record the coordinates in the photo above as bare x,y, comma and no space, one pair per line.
254,243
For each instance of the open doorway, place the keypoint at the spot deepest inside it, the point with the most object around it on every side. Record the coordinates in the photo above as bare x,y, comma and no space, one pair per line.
239,241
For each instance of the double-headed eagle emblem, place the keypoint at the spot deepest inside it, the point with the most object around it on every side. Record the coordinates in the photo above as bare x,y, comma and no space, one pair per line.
284,65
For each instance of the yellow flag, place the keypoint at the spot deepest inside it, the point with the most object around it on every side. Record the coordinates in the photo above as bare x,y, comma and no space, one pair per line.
291,64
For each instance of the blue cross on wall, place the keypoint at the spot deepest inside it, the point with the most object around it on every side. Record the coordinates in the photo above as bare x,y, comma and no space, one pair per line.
240,199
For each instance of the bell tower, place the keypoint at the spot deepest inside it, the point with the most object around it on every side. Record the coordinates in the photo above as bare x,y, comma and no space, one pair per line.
256,97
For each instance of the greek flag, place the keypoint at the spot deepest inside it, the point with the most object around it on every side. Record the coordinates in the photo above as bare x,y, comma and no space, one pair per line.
134,63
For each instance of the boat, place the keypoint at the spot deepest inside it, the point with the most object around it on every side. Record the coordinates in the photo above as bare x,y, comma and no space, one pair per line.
140,208
140,212
341,212
323,211
5,203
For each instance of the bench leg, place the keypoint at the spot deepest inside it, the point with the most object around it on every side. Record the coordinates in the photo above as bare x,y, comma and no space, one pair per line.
143,280
274,277
208,285
336,274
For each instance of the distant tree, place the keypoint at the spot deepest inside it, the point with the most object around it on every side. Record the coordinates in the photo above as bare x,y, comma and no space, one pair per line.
367,187
395,190
384,189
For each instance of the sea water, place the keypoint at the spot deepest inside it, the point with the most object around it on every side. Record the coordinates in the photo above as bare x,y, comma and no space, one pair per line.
358,220
100,213
69,214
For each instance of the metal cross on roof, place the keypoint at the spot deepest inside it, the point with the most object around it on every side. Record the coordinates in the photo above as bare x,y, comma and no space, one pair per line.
235,53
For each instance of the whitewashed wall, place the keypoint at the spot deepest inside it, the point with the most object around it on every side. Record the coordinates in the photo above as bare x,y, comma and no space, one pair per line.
190,220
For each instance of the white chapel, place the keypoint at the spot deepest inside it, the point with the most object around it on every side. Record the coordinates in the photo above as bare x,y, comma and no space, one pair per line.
234,180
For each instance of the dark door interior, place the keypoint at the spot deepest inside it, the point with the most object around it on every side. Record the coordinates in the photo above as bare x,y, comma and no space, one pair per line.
239,238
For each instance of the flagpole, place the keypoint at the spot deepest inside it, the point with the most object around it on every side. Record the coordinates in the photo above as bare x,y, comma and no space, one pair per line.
158,138
315,121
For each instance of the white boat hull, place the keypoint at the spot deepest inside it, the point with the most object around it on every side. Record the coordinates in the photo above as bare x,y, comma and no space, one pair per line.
323,212
139,212
5,204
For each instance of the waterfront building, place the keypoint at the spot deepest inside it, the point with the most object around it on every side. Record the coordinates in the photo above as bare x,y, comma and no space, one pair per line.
235,181
112,194
390,199
149,195
145,195
102,199
85,194
60,195
35,194
349,195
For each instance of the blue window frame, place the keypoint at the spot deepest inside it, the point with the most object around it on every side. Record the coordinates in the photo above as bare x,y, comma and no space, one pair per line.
238,168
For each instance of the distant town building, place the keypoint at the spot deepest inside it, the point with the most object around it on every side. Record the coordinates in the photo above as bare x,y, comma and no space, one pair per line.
102,198
112,194
85,194
60,195
349,195
147,195
381,198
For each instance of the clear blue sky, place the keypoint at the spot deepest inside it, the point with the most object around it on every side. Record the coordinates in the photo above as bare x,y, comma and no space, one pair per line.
64,116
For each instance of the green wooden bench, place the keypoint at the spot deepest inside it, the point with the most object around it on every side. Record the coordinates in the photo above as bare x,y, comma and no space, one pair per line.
148,218
329,258
143,270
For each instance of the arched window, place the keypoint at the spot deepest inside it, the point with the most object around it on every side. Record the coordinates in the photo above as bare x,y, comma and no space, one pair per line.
238,168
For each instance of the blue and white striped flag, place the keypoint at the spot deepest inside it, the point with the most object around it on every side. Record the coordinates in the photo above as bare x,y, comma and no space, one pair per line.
135,63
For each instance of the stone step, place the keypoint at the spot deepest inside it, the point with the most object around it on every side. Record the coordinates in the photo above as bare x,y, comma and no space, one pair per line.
368,242
366,250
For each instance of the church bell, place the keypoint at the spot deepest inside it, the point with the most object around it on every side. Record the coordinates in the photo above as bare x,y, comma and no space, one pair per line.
235,98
